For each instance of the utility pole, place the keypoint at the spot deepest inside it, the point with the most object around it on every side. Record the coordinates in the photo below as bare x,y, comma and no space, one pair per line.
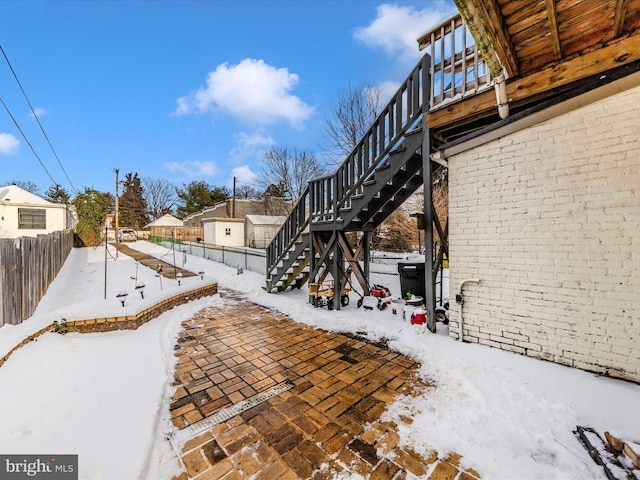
117,207
233,204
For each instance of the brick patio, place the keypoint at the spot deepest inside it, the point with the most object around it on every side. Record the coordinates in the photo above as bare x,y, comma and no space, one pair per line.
327,423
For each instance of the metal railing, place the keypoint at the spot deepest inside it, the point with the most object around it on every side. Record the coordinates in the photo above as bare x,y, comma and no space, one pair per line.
331,192
292,228
247,258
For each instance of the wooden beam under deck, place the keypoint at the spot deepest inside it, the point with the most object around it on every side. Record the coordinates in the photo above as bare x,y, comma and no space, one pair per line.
618,19
489,11
614,55
553,28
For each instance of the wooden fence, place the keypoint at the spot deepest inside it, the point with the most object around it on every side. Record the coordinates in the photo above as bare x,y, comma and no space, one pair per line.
183,234
28,265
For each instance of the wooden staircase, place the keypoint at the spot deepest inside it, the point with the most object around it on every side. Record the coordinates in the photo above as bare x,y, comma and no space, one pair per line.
382,171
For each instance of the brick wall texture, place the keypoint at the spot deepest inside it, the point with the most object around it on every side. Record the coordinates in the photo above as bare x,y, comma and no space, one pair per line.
548,218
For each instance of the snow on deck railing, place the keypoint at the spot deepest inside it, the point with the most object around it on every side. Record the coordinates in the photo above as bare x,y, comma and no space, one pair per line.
457,69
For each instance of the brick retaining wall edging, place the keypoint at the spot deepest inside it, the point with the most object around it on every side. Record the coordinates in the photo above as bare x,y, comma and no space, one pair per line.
128,322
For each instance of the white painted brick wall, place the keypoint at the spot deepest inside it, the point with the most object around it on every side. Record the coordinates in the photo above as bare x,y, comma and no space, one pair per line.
549,219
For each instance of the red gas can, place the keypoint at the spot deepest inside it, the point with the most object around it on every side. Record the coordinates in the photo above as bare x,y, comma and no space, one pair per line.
419,317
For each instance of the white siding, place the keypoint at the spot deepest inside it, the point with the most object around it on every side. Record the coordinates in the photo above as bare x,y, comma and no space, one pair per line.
224,232
56,216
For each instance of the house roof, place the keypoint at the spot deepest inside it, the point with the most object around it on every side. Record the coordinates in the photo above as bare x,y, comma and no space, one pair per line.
15,194
166,220
222,220
266,219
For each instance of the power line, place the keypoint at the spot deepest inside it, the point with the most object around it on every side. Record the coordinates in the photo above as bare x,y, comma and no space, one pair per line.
37,120
26,140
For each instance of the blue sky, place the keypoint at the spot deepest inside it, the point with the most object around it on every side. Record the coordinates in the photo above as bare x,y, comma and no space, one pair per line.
188,90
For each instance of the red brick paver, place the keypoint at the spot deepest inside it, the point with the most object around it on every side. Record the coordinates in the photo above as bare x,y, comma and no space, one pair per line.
326,424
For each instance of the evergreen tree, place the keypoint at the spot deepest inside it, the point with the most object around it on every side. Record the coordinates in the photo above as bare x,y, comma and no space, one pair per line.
133,207
198,195
91,207
274,190
57,194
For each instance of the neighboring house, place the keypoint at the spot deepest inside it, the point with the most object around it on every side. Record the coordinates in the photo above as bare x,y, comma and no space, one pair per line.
241,207
228,232
166,220
23,214
259,230
166,226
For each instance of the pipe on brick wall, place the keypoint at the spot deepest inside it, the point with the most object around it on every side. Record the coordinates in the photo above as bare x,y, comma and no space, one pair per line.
502,99
460,302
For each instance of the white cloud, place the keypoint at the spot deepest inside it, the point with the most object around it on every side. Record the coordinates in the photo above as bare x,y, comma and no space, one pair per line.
244,174
396,29
387,90
40,112
195,168
252,91
8,144
250,146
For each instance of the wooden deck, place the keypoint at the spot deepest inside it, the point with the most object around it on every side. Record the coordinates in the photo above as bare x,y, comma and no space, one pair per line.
166,269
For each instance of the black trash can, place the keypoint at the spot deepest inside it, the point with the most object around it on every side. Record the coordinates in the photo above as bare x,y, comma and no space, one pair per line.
412,275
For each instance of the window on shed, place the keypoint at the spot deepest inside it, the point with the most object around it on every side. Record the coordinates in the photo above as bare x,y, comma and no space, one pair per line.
227,231
32,218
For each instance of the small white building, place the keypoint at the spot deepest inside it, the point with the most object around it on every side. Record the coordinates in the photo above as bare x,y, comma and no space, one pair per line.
259,230
23,214
166,220
228,232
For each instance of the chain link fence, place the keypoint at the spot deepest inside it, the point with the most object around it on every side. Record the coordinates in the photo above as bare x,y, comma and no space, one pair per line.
384,270
383,266
250,259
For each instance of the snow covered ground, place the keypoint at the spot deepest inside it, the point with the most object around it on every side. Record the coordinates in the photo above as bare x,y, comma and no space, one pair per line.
105,396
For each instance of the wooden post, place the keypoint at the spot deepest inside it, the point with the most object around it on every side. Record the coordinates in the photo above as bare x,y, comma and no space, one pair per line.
117,215
430,296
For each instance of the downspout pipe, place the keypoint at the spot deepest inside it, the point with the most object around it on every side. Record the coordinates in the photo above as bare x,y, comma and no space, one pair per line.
460,302
500,85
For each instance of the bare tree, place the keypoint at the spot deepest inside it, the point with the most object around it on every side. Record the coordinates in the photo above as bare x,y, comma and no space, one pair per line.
27,185
353,112
398,233
160,195
247,192
292,169
440,199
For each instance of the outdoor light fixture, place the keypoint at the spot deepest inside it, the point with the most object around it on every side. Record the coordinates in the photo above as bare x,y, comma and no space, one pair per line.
122,296
140,288
160,277
179,277
136,277
201,273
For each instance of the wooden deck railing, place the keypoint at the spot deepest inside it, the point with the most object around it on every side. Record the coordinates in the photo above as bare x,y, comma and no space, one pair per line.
457,69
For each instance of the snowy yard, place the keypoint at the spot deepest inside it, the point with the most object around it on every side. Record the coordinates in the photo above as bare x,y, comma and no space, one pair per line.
105,396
